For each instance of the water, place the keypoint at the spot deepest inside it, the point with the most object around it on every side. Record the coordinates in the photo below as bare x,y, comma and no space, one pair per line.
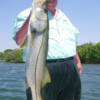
91,82
12,85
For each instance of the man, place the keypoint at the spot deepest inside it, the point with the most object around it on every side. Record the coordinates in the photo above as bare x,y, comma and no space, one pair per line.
63,60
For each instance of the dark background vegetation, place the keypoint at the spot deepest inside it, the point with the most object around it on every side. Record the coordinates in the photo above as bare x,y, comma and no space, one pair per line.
89,54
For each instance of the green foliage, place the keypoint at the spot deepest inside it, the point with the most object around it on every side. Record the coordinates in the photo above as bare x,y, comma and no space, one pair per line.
8,50
89,53
13,55
1,56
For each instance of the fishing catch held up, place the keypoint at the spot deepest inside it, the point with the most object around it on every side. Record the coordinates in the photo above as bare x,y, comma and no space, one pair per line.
37,75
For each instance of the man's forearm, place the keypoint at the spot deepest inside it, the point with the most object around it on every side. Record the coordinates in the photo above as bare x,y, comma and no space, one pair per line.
21,34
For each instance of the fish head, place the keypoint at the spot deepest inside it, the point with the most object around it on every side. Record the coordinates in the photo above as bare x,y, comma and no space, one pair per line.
39,17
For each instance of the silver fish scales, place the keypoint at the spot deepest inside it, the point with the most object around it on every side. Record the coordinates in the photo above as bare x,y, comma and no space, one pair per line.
37,75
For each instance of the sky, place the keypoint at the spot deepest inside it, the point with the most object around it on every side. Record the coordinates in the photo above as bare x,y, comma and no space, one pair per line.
84,14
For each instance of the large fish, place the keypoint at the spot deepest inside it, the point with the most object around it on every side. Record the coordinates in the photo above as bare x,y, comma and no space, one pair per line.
37,75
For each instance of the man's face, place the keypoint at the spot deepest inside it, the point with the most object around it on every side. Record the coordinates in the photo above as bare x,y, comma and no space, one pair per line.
52,4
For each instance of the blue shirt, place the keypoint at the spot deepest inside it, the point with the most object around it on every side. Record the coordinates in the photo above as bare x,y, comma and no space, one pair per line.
63,35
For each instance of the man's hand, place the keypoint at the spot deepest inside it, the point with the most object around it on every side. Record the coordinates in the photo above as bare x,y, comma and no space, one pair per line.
79,68
78,63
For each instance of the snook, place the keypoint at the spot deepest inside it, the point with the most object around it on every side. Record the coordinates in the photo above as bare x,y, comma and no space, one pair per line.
37,75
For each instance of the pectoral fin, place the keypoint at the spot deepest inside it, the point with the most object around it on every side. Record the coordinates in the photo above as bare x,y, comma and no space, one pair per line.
46,77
